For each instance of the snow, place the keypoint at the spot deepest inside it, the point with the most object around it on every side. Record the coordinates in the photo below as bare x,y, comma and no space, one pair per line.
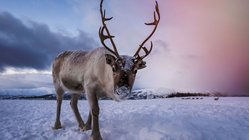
151,93
158,119
156,91
129,62
27,92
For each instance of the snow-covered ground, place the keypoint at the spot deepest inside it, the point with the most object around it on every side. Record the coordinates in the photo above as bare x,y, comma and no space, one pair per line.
159,119
27,92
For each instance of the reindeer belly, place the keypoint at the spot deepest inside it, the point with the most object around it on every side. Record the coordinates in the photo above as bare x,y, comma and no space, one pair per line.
72,85
70,78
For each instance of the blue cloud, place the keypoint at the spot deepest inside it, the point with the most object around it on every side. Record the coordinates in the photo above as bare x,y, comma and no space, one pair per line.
34,46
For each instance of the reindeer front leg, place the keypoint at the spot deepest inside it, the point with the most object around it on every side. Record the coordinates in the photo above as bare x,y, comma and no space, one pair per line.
94,108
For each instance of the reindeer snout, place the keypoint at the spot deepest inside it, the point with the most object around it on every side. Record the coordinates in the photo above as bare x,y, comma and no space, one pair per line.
125,74
124,79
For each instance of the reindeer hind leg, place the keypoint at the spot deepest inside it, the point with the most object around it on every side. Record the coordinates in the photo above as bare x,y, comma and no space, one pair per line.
74,106
59,96
88,125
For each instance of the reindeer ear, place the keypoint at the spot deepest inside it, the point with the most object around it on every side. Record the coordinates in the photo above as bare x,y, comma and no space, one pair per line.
141,65
110,59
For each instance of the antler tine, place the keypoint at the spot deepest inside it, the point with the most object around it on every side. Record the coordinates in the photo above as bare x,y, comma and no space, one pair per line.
102,36
147,52
155,24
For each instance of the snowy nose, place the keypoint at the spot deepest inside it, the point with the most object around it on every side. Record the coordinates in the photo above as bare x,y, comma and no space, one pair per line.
125,77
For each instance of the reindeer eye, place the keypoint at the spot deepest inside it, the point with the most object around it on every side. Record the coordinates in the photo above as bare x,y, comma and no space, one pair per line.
114,69
135,71
108,61
134,60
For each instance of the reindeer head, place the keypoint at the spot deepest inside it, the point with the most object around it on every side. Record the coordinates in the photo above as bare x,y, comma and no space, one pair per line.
125,67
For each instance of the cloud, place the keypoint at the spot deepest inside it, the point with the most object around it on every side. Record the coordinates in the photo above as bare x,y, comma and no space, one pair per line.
26,81
199,46
207,48
34,45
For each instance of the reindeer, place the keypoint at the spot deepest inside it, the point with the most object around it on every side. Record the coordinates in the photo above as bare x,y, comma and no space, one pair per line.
97,73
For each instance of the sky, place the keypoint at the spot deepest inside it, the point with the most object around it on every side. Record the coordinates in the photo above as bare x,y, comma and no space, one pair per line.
199,46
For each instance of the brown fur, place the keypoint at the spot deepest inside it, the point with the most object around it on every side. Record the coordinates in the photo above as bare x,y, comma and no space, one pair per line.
57,63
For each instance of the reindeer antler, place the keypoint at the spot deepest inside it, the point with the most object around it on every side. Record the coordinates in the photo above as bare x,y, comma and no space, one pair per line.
155,24
102,36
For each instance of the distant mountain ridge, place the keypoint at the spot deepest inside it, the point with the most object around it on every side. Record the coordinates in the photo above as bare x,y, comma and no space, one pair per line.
49,94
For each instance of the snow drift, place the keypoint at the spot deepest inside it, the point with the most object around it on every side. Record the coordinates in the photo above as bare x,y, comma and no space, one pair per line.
159,119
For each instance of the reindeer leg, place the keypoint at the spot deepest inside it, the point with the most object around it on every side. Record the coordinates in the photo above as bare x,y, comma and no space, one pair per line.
59,95
94,107
74,106
89,122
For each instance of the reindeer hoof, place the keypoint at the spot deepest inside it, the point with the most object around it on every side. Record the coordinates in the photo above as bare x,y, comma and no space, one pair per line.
81,126
57,125
87,127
